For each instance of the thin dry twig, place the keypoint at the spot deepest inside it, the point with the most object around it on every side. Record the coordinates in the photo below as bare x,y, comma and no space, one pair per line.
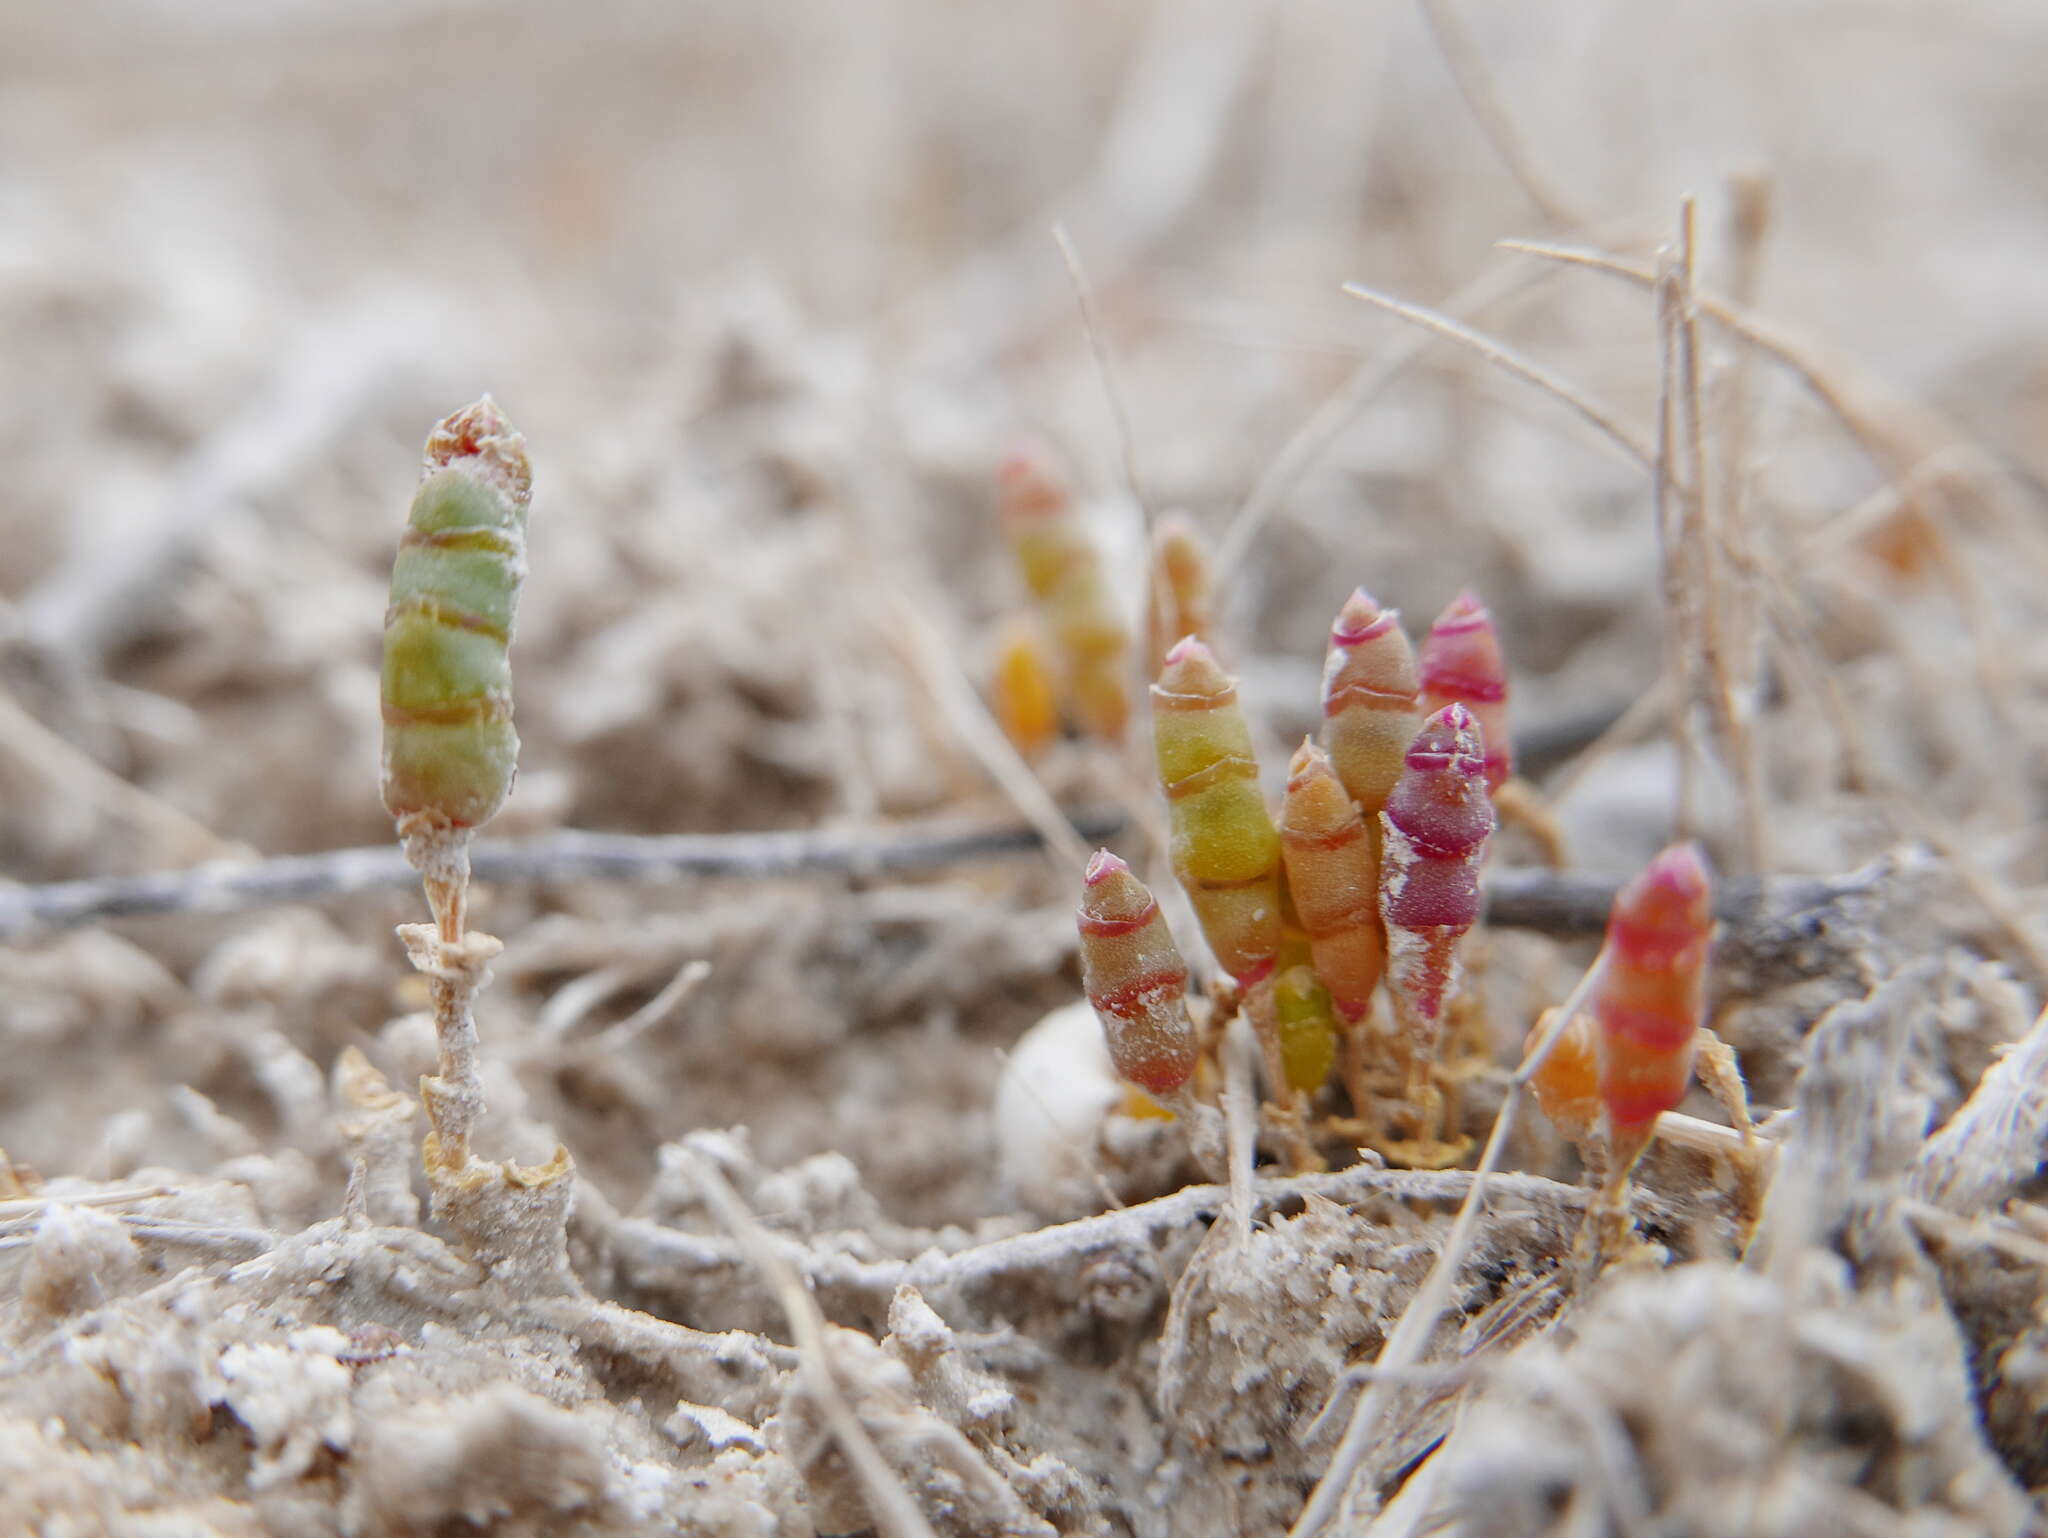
1475,86
666,1004
1043,1249
937,667
233,886
1673,561
1898,434
1335,415
1159,149
1764,915
1909,817
1624,728
1505,357
1895,431
1750,199
120,1196
1712,557
1408,1339
1239,1051
893,1509
1098,348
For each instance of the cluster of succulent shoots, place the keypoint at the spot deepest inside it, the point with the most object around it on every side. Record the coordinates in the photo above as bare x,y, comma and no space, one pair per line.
1369,874
1339,921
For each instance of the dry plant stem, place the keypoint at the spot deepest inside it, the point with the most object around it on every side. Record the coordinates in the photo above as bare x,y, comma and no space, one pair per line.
1408,1339
453,1094
454,965
1894,432
999,1261
1913,822
1710,559
1238,1102
1336,414
937,667
666,1004
892,1507
1475,86
1838,384
1546,902
233,886
1287,1107
1507,358
1098,349
1674,566
1633,722
1750,199
1158,150
32,1206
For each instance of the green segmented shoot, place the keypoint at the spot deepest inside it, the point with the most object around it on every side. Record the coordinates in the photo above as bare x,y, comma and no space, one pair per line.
1224,850
1308,1028
449,748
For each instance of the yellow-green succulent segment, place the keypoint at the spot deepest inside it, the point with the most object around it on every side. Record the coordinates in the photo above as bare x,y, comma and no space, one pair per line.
1224,848
449,747
1063,569
1308,1028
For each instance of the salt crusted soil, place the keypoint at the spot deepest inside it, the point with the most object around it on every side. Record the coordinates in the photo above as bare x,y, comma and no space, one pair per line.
770,297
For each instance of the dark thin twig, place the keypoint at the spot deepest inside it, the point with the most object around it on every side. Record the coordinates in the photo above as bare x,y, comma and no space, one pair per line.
233,886
1770,924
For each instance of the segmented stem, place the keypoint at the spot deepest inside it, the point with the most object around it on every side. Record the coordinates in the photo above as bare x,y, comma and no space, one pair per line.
1025,692
1652,997
1181,599
449,747
1435,829
1135,979
1370,705
1333,874
1063,569
1224,847
1461,664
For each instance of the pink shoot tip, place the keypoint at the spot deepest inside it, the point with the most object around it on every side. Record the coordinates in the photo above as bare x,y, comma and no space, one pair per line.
1464,610
1361,620
1192,671
1101,866
1450,739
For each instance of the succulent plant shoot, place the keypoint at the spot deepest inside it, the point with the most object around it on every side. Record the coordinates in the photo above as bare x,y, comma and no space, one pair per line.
450,752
